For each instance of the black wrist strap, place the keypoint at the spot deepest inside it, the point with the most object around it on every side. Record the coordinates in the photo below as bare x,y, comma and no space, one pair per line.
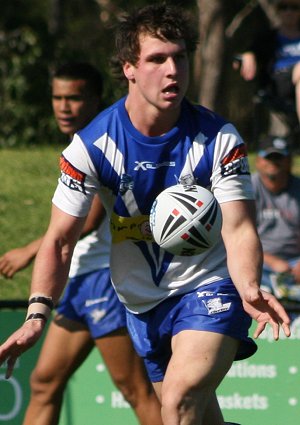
42,300
36,316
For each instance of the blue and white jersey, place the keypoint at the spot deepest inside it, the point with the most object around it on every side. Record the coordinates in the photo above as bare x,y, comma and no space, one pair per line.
129,170
92,252
287,52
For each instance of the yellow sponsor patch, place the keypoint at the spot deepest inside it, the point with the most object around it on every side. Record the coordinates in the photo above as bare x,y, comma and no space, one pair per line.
130,228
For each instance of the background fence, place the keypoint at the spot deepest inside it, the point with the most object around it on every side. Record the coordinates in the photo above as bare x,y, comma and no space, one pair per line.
264,389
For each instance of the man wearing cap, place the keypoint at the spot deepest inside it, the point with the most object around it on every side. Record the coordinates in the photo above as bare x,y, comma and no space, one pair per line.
277,193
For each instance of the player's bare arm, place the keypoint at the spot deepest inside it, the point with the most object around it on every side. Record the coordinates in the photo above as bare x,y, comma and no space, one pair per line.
244,258
48,280
53,259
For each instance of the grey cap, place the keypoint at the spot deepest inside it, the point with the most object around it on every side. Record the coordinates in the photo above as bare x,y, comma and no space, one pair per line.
274,144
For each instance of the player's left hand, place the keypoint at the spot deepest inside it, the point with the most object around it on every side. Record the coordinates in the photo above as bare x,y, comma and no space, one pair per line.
20,341
296,272
265,308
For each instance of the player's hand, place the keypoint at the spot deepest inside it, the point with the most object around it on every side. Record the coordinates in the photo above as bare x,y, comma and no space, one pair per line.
20,341
296,272
13,261
265,308
247,65
280,266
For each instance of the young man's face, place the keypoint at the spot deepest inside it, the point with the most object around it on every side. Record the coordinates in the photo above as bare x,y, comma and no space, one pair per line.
161,75
73,104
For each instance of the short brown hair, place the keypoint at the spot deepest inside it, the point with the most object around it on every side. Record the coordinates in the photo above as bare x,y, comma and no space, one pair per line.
159,20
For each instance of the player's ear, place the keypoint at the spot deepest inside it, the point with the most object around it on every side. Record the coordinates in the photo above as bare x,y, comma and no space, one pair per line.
128,70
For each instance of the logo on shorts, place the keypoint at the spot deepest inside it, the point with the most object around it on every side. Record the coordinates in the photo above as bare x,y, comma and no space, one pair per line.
204,294
88,303
97,315
215,305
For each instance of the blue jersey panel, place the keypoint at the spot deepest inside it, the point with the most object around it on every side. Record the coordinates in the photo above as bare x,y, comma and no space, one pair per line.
147,165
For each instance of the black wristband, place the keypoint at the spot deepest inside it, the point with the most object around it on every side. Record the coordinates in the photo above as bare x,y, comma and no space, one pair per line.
36,316
42,300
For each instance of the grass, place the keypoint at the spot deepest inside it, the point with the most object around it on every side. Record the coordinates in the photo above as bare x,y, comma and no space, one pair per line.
28,179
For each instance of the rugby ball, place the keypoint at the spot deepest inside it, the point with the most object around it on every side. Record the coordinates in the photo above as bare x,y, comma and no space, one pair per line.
186,220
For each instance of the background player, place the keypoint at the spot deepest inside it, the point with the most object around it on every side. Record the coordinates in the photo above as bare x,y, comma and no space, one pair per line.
277,194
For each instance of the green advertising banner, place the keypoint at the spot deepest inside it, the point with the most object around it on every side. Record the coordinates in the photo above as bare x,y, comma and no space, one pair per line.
14,392
90,397
263,390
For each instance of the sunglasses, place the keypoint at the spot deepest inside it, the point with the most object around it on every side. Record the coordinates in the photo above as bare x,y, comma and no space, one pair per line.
288,6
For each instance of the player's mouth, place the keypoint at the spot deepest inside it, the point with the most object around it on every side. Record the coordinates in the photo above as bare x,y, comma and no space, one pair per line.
171,90
66,121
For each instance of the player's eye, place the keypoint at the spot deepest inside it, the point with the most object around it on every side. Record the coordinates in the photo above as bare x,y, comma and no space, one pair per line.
157,59
75,98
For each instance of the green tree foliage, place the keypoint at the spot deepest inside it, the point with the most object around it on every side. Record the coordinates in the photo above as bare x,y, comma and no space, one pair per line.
36,35
25,113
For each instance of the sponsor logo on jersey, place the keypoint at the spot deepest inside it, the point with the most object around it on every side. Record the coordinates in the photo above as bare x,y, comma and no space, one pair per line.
126,183
236,162
130,228
71,177
187,180
215,305
149,165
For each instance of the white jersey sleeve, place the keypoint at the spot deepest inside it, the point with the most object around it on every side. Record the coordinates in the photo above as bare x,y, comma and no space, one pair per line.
78,182
230,160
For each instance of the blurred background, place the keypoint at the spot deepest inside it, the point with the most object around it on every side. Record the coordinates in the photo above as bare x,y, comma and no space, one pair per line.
35,35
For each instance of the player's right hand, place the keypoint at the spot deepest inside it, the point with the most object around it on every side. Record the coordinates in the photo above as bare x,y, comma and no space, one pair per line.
19,342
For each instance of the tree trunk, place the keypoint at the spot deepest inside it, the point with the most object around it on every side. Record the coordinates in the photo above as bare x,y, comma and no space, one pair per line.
56,18
209,58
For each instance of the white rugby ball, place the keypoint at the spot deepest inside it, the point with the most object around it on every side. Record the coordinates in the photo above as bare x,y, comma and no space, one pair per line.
186,220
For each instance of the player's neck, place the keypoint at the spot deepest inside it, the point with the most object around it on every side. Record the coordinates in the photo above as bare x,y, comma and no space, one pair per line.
151,121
